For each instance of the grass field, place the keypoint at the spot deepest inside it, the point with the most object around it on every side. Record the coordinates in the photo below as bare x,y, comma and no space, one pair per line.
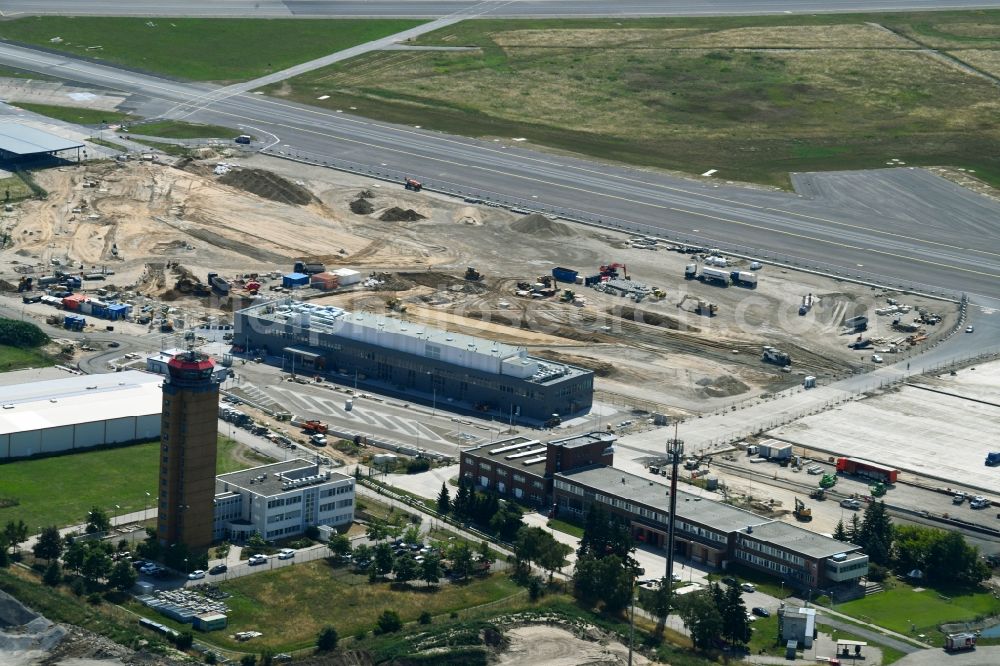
290,605
904,609
176,129
200,49
568,528
74,483
14,358
77,115
754,97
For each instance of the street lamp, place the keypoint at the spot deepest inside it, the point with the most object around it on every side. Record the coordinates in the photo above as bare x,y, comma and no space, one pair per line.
185,566
118,510
145,510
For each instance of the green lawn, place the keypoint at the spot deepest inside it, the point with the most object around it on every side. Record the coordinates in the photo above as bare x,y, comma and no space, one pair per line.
902,608
290,605
765,583
77,115
176,129
75,482
568,528
15,358
754,97
200,49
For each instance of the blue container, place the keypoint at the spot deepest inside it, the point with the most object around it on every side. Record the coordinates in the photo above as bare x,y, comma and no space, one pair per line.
295,280
564,275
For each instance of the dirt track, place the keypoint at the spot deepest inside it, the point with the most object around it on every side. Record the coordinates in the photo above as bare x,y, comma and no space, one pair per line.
552,646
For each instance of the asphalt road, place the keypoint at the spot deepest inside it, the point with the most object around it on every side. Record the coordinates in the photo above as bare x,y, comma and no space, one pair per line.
436,8
918,228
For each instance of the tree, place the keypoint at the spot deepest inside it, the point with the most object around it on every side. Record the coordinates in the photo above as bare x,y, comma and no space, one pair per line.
601,537
430,570
49,545
461,506
97,521
184,640
388,622
406,568
75,554
222,550
840,531
122,576
339,545
96,565
854,529
14,333
327,639
4,552
461,560
15,533
411,534
533,544
603,580
444,499
248,660
383,559
363,553
701,616
377,530
735,624
507,521
875,535
255,544
53,574
951,561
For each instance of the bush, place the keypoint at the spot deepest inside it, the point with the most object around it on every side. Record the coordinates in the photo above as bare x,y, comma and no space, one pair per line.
78,587
425,618
15,333
360,635
249,660
453,615
418,465
94,598
312,532
327,639
210,658
877,573
388,622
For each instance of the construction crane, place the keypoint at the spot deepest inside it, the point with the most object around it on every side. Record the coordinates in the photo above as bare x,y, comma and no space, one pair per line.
802,512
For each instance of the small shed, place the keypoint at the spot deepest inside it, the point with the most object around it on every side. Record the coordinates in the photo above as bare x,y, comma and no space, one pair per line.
347,277
292,280
210,621
119,311
325,281
73,301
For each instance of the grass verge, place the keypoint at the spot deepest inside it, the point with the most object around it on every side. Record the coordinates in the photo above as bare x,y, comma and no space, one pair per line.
200,49
754,97
177,129
78,115
567,528
15,358
169,148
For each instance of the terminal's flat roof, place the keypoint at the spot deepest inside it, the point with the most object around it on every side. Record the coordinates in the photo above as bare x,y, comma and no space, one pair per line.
79,399
801,540
275,475
21,139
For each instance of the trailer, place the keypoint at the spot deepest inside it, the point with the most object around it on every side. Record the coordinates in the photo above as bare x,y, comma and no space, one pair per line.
868,470
957,642
717,275
775,450
564,274
744,279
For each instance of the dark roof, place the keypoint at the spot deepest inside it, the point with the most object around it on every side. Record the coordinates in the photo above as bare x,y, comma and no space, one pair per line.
20,139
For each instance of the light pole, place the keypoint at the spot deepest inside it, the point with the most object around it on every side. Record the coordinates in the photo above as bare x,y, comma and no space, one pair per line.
118,511
145,510
186,566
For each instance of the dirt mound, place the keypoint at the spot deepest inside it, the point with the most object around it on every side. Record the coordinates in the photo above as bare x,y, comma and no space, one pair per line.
362,206
652,318
268,185
541,226
397,214
722,387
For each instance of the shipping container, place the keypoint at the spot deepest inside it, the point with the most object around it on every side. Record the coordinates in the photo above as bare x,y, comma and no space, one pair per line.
293,280
565,275
868,470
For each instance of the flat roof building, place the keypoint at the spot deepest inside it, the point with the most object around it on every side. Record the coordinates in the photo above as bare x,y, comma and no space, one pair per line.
523,468
413,360
709,531
19,141
281,500
78,412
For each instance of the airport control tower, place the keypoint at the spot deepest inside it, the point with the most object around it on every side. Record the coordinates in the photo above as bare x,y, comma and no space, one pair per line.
187,452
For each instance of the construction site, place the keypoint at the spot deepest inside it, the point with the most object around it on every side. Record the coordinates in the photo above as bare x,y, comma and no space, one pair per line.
188,243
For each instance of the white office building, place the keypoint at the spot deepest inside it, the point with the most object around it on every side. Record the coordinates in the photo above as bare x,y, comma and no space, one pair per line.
281,500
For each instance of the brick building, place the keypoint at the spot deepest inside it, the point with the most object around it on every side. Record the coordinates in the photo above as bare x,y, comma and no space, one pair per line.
522,469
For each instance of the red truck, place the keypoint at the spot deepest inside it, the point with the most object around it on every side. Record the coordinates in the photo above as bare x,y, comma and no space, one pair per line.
869,470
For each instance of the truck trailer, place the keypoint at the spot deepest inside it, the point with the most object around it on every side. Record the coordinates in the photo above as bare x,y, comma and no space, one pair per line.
867,469
709,274
744,279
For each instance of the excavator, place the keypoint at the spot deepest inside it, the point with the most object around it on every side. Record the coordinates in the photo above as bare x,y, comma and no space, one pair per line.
802,512
611,270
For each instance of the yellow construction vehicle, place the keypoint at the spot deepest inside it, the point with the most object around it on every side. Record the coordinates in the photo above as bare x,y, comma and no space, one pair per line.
802,512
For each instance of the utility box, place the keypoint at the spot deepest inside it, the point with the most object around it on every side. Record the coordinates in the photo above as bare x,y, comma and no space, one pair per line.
809,382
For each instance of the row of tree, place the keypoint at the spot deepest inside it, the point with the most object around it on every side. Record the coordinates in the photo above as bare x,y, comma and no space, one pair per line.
502,519
943,558
715,613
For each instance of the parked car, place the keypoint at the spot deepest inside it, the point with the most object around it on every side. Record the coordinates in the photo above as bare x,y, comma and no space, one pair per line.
729,580
748,587
958,498
197,574
286,554
970,329
257,559
217,569
760,612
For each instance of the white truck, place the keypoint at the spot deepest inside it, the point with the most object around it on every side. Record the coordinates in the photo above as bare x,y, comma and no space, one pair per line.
744,279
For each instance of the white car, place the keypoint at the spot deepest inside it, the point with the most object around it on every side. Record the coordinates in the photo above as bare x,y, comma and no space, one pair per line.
196,574
970,329
257,559
748,587
876,358
286,554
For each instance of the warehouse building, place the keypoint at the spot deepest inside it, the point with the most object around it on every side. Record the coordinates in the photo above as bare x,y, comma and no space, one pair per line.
78,412
711,532
281,500
522,469
413,360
